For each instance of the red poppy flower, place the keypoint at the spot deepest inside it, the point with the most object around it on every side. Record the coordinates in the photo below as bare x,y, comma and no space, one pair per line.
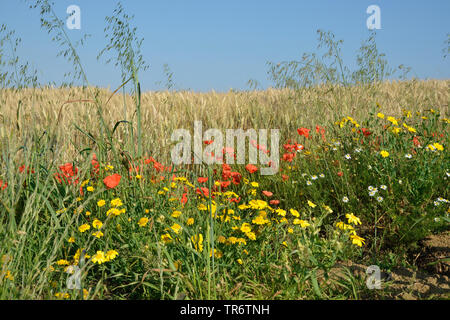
284,177
303,132
225,184
184,198
203,192
202,180
366,132
340,173
208,142
112,181
251,168
3,185
274,202
416,141
267,193
288,157
236,177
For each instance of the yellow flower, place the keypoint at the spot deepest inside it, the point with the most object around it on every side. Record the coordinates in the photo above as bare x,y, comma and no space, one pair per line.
438,146
302,223
101,203
71,240
284,243
384,154
246,227
295,213
190,221
254,184
116,202
393,120
221,239
62,262
98,234
260,220
239,261
61,295
352,219
197,241
176,228
138,176
311,204
290,230
97,224
143,221
90,188
99,257
396,130
343,226
84,227
176,214
111,254
166,238
281,212
114,211
251,235
357,240
88,213
380,115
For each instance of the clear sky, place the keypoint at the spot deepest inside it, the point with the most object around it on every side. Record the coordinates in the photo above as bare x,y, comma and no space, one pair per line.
218,45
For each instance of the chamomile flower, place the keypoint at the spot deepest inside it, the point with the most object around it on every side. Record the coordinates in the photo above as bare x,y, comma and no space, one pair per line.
384,187
308,183
348,156
408,156
379,199
345,199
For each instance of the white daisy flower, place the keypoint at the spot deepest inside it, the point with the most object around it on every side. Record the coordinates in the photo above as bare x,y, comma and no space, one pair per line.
345,199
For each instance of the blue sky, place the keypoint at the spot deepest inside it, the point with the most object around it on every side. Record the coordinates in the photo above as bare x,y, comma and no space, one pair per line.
218,45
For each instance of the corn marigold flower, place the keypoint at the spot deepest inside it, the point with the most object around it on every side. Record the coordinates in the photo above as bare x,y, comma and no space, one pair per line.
176,228
143,221
101,203
311,204
84,227
62,262
166,238
294,213
245,228
99,257
302,223
251,235
98,234
352,219
357,240
384,154
111,255
97,224
197,241
116,202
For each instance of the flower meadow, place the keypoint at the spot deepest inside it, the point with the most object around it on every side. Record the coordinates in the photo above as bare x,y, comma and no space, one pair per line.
361,189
